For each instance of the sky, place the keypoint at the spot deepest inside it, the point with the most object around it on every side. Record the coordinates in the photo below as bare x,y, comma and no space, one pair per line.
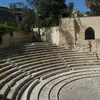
78,4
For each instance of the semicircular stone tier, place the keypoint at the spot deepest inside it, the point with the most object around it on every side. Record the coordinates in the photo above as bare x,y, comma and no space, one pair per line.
44,71
83,89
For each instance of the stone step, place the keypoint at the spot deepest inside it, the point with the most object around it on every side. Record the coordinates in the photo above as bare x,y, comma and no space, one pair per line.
82,61
78,53
80,57
35,58
23,88
6,73
29,54
37,61
14,90
15,53
43,66
86,55
35,66
36,93
27,92
4,64
49,70
89,67
4,92
10,77
6,87
5,68
84,64
54,92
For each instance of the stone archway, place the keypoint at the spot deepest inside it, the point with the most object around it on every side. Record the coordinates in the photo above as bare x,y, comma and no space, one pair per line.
89,33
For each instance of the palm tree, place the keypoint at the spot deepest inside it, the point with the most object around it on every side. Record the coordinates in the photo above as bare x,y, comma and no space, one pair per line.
34,5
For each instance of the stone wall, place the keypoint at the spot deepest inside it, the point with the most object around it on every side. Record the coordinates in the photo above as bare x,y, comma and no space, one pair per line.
81,24
74,33
49,34
67,36
89,45
71,33
17,38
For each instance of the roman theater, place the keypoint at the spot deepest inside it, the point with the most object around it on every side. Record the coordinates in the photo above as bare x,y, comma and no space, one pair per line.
64,66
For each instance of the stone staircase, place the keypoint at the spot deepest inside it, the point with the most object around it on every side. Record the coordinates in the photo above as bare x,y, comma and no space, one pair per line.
39,71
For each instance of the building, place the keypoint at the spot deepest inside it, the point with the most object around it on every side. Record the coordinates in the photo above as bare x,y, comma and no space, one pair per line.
12,14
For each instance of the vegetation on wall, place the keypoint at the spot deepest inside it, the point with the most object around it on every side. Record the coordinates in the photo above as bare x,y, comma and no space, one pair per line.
7,28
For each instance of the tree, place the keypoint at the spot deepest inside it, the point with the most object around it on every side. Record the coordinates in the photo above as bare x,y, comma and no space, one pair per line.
48,10
94,6
70,6
34,5
27,21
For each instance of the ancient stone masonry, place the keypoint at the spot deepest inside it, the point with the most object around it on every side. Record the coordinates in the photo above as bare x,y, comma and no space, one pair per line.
44,71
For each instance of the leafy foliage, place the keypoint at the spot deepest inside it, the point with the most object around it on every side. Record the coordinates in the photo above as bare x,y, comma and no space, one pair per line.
6,27
27,21
79,14
94,6
49,11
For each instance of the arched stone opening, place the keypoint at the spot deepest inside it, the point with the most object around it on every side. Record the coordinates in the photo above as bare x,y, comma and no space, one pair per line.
89,33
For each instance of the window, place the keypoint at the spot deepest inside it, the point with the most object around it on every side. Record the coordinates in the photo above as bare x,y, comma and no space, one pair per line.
89,33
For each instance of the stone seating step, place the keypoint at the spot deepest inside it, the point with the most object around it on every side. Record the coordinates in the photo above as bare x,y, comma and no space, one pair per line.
5,68
74,53
50,70
16,52
84,64
79,61
35,58
45,90
22,75
34,92
10,77
6,87
55,90
26,93
32,66
46,97
54,73
37,69
23,88
14,90
2,61
10,53
89,67
3,64
80,57
67,51
35,95
47,67
37,61
41,62
4,92
78,53
29,54
6,73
